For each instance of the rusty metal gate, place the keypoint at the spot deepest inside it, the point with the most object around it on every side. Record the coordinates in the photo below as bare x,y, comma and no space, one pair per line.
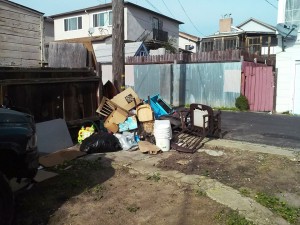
258,87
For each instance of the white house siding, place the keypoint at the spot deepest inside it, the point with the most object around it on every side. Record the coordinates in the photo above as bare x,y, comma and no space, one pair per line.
287,64
139,20
20,35
253,26
183,42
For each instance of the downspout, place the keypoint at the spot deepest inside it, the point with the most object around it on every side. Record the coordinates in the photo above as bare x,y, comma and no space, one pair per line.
42,41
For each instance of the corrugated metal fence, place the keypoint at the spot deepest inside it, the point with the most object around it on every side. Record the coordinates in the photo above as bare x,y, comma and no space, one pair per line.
214,84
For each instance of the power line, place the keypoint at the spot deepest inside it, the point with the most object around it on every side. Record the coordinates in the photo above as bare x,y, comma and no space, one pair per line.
271,4
168,8
189,18
153,6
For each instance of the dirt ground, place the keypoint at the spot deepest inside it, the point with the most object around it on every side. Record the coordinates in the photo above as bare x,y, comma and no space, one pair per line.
99,193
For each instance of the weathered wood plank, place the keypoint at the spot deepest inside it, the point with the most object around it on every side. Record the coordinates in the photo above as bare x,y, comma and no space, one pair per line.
20,32
20,47
19,55
72,55
4,61
16,15
19,24
21,40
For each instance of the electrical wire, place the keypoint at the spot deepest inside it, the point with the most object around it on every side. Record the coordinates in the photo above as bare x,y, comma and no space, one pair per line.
189,18
271,4
168,8
153,6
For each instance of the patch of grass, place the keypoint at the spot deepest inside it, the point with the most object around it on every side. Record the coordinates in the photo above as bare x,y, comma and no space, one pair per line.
206,173
226,108
231,217
289,213
245,192
133,208
200,193
155,177
97,191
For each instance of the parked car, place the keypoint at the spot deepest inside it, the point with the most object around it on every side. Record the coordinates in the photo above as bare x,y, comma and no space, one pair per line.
18,155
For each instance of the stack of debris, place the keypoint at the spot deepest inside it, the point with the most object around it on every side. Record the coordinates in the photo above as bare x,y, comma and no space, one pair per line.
131,119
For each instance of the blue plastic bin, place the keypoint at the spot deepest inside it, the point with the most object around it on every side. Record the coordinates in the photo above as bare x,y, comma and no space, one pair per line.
159,106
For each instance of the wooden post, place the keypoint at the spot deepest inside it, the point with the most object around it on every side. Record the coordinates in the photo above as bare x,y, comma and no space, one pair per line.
118,55
100,87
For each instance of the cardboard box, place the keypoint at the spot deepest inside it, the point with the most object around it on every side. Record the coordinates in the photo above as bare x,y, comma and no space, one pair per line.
144,113
110,125
127,99
119,116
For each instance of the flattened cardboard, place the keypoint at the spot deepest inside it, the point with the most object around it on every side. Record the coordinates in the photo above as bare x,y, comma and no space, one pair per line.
119,116
146,146
43,175
53,136
59,157
127,99
110,125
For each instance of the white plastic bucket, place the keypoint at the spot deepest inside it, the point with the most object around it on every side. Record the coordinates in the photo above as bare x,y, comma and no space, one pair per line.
163,143
163,134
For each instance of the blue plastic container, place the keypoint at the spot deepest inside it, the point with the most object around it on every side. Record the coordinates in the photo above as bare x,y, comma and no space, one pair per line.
159,106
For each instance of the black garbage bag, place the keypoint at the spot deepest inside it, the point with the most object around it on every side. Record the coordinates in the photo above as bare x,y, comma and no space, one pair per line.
100,142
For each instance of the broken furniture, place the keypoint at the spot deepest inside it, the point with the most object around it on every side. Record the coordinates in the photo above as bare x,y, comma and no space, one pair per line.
198,122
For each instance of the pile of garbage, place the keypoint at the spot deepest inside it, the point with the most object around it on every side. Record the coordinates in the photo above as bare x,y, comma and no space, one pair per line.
131,123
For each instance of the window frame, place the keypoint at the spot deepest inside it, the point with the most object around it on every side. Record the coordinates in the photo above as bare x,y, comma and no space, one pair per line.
107,19
69,27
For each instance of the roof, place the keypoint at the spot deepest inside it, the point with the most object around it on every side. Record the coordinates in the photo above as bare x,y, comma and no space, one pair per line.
22,7
189,36
257,21
109,6
237,30
103,51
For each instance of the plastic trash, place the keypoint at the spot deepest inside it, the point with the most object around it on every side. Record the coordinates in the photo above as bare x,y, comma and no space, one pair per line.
100,142
127,140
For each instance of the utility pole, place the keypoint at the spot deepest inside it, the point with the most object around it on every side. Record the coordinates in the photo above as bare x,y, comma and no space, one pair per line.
118,55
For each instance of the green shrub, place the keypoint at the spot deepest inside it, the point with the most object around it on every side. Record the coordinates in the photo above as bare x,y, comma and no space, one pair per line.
242,103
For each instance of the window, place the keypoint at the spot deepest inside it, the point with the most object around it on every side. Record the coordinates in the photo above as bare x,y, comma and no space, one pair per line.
74,23
102,19
230,43
254,45
207,46
292,13
218,44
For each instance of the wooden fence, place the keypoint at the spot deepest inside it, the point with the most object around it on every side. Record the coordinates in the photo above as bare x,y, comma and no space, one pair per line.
213,56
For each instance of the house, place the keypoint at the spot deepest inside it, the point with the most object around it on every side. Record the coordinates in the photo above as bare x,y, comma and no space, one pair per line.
23,34
252,36
140,24
188,42
288,57
103,54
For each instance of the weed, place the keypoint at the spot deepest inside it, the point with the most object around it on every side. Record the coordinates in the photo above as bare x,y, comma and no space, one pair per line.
226,108
155,177
133,208
97,191
206,173
230,217
242,103
245,192
289,213
200,193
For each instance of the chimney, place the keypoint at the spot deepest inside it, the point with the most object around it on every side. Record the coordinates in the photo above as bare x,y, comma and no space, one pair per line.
225,25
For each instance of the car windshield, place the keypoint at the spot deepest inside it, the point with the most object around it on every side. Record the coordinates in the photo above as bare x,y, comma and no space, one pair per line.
11,118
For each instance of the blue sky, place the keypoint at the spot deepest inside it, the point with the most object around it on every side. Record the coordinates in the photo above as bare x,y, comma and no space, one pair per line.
200,17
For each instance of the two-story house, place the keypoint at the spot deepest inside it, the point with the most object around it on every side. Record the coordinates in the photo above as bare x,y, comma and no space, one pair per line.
288,57
252,37
140,24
